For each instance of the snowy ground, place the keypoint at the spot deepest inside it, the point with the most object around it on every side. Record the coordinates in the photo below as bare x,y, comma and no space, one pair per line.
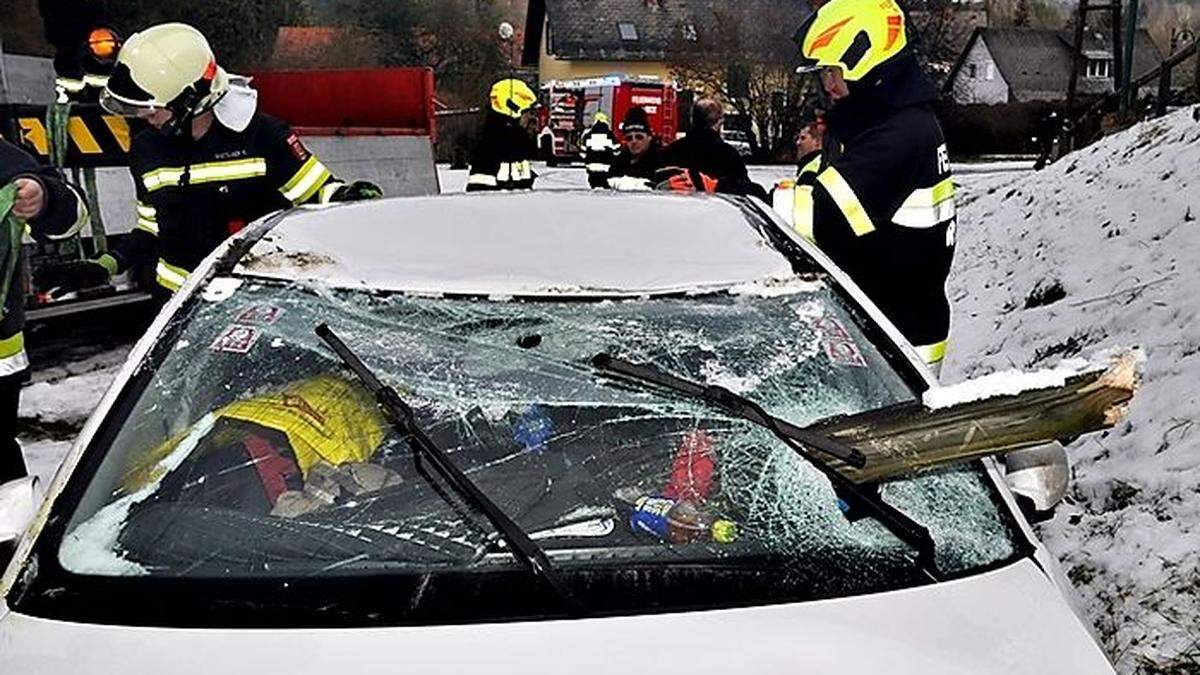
1097,250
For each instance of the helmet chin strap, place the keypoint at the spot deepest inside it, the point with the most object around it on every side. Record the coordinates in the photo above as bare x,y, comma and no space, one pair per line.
183,111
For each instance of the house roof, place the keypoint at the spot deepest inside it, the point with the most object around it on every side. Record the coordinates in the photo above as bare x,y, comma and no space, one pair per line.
592,29
1037,63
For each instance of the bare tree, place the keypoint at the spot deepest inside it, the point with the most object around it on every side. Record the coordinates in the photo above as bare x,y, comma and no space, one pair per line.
743,54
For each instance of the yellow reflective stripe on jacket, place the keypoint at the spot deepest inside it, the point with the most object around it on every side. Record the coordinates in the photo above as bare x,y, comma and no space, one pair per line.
932,353
325,194
12,355
927,207
207,172
306,181
813,167
802,212
843,195
169,276
147,218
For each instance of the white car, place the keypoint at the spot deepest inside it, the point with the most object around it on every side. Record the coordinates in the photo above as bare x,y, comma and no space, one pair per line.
238,503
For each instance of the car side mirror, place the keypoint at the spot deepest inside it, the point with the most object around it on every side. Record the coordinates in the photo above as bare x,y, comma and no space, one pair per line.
19,501
1039,477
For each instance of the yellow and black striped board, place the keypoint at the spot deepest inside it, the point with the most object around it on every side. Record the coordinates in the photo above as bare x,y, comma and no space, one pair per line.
96,137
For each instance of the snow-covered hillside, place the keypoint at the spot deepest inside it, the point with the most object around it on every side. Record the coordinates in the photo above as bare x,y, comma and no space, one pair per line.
1102,249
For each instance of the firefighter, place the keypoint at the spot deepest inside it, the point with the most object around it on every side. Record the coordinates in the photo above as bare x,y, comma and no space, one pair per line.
208,164
641,154
884,209
503,159
49,209
599,151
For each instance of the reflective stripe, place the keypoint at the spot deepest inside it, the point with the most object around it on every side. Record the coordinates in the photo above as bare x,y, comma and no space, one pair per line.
208,172
852,209
147,218
169,276
12,355
481,179
97,81
599,143
597,168
69,84
813,167
802,212
927,207
81,217
306,181
514,171
933,353
326,193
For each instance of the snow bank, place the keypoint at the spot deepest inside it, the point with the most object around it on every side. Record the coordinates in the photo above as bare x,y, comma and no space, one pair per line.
1101,250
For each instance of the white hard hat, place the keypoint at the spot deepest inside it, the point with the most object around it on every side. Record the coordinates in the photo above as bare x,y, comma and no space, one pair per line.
166,66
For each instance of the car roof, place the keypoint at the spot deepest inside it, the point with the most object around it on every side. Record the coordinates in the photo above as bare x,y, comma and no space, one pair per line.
572,243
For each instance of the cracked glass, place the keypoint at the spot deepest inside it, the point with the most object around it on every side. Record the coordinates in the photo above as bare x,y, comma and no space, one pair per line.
251,451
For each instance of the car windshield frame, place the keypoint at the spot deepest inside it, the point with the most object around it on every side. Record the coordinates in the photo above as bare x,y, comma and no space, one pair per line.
46,589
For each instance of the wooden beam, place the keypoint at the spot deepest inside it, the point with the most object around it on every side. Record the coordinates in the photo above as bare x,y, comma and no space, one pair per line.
911,438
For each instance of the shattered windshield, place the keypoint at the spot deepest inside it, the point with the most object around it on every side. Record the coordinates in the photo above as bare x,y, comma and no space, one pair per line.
252,452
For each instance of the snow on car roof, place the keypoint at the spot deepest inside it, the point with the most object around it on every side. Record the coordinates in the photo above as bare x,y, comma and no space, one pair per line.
526,244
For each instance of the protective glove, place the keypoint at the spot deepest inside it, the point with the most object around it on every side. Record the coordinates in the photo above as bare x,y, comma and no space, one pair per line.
357,191
72,276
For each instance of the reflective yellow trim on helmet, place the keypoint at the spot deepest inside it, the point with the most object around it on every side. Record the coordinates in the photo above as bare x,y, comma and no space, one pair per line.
208,172
933,353
325,418
854,35
843,195
170,277
306,181
927,207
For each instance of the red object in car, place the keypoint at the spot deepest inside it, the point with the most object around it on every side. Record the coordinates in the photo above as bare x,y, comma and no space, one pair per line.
692,470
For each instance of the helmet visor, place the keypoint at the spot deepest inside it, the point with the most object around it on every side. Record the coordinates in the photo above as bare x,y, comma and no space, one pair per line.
119,106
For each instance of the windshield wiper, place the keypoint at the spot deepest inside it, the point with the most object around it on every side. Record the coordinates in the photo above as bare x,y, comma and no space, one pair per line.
400,414
862,499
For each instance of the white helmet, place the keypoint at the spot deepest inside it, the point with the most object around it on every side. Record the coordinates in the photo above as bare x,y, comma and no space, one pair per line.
166,66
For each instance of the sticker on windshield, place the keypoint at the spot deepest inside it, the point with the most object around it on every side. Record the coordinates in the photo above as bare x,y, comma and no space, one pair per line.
533,429
839,346
236,339
259,315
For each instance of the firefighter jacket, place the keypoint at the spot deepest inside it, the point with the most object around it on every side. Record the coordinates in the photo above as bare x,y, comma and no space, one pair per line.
192,194
705,151
884,209
64,214
503,159
599,151
644,166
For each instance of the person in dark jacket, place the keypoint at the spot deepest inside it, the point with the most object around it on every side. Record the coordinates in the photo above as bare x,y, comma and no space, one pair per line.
33,197
703,149
503,159
884,209
641,153
599,151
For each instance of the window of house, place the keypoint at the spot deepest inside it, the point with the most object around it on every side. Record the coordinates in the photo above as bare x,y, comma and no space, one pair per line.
628,32
972,70
1099,68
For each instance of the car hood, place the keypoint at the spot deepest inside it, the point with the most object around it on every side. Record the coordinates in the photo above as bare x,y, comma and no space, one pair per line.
1012,620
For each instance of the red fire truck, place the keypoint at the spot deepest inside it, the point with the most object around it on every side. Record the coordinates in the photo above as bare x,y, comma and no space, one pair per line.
570,106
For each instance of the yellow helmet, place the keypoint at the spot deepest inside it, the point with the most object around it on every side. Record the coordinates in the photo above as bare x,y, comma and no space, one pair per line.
512,97
854,35
166,66
600,117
